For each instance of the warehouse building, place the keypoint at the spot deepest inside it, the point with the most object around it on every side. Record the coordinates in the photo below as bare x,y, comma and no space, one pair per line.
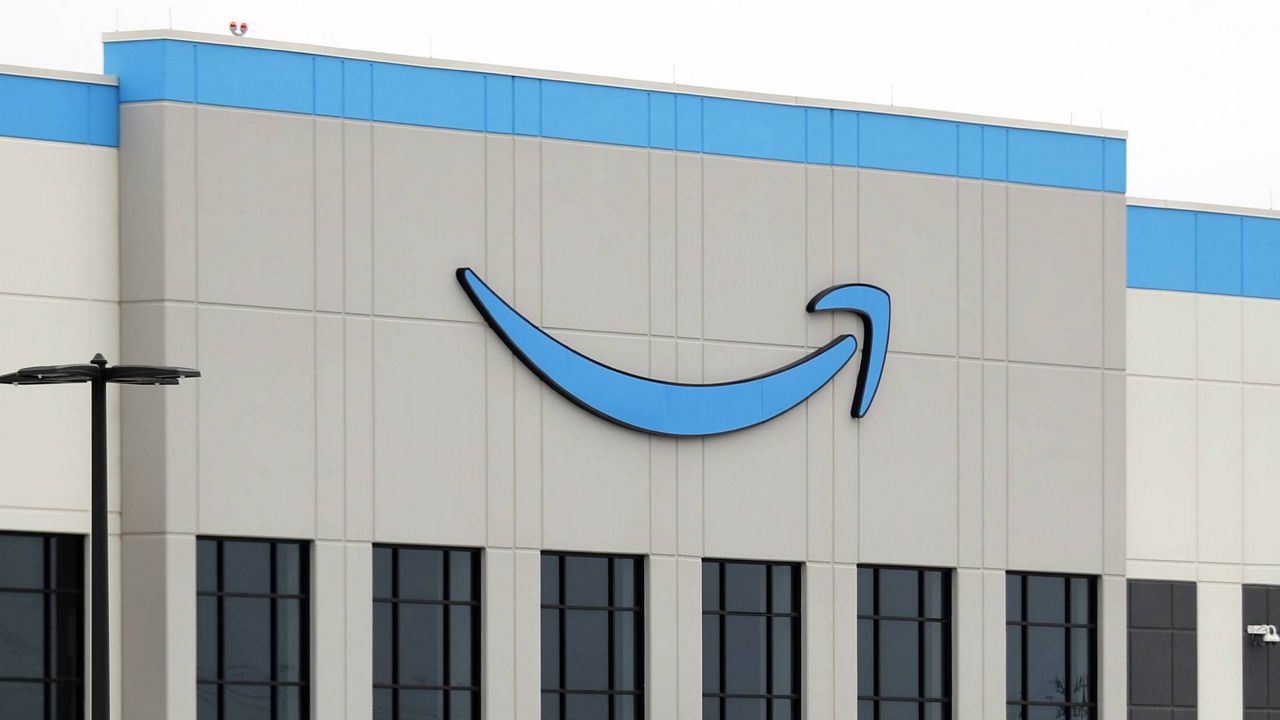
535,395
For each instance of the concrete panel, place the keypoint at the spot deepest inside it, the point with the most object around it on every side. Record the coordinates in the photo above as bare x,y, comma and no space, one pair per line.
689,465
908,465
1113,647
331,461
158,576
595,237
1162,469
995,464
845,472
819,249
359,427
429,445
969,265
499,362
1261,474
754,491
968,617
1219,619
428,220
102,211
844,225
1055,276
994,647
664,512
528,630
1219,413
662,244
1114,470
907,235
845,642
158,429
157,184
595,475
1114,280
357,195
499,633
1055,469
527,227
689,241
995,270
662,640
969,478
329,219
689,618
528,389
820,414
34,421
1261,333
257,423
818,640
329,628
255,208
754,255
1162,333
1218,337
359,630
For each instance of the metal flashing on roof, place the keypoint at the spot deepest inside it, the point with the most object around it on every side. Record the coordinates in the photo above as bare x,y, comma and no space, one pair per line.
416,61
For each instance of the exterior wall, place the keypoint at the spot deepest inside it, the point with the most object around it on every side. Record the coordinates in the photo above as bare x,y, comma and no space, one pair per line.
1203,416
351,394
58,294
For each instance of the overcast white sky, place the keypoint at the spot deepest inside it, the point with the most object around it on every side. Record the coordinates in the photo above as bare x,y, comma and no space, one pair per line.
1192,81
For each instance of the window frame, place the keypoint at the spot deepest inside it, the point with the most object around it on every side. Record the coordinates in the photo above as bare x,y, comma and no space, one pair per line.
476,641
613,609
303,597
796,616
946,700
51,546
1069,706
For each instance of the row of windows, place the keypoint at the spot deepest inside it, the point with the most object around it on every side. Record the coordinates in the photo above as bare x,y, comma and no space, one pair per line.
253,629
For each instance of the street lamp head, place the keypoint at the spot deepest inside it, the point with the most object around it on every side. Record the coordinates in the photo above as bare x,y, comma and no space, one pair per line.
97,369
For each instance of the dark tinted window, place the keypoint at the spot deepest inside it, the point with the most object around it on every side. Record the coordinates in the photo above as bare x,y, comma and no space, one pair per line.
904,643
1162,647
1261,662
750,640
253,629
592,637
426,633
42,654
1051,645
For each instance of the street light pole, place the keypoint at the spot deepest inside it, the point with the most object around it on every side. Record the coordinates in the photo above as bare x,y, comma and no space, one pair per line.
97,374
100,640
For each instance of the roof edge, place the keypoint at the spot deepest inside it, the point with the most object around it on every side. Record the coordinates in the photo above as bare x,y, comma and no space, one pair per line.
68,75
1202,207
608,81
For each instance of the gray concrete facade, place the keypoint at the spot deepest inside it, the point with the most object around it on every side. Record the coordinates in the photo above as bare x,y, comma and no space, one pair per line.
352,395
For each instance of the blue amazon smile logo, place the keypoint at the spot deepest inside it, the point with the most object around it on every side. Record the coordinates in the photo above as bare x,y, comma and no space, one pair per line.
684,410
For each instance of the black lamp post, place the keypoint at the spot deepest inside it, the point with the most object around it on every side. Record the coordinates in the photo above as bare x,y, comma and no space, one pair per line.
98,375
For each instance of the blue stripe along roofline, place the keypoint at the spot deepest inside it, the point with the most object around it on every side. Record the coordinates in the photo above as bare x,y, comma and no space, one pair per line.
285,81
1218,253
70,111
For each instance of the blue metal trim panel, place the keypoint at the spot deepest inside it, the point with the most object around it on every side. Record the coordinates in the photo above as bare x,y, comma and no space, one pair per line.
1038,157
59,110
431,97
595,113
1218,246
1204,252
1162,249
753,130
897,142
1260,248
